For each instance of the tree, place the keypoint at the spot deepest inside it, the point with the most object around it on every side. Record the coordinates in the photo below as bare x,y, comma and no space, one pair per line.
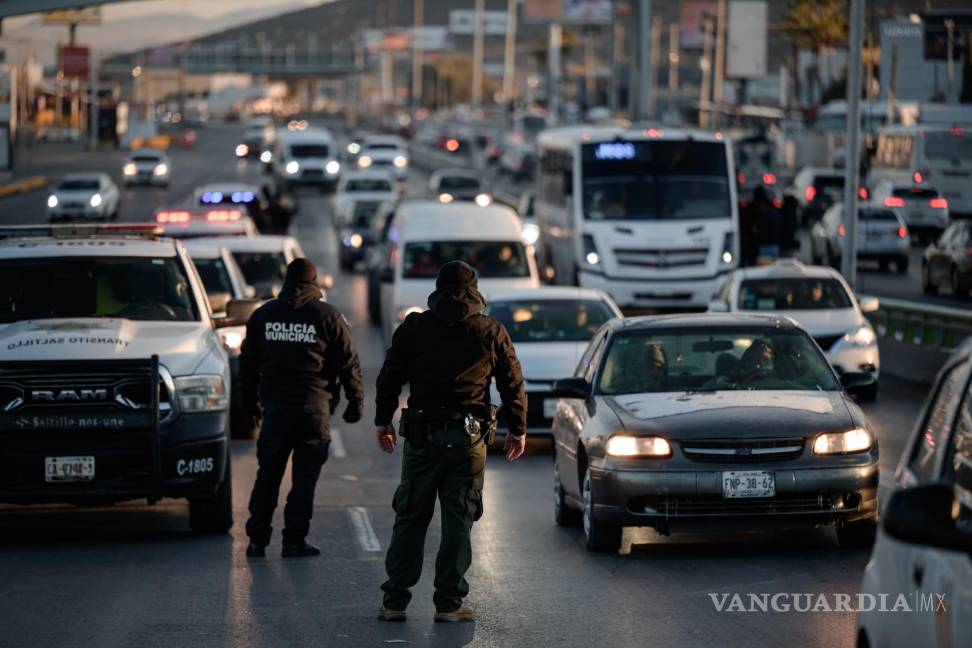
814,25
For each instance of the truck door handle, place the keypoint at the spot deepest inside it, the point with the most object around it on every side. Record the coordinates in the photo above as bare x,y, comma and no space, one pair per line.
917,572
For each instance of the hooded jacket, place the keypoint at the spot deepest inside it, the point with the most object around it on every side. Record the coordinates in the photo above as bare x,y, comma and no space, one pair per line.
449,354
297,348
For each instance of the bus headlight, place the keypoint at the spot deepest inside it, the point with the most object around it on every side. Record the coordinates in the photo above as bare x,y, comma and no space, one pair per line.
728,243
591,257
201,393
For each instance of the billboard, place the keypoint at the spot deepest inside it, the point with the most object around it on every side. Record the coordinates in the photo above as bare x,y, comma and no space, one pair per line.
72,62
587,11
463,22
747,25
82,16
694,12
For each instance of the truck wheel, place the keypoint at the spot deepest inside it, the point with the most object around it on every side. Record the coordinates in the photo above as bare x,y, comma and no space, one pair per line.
858,534
214,514
564,515
599,537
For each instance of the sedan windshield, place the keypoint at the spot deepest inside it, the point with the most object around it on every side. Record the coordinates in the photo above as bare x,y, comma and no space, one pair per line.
550,320
458,182
215,276
78,185
367,184
792,294
137,288
262,267
714,360
491,259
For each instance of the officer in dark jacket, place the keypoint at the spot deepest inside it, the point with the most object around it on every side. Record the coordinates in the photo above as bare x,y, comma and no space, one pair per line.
447,355
296,349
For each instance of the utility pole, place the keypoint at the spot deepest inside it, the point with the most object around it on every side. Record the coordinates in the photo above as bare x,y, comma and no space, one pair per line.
553,82
476,97
720,53
509,53
93,103
950,26
892,85
656,25
852,164
419,20
644,60
706,72
673,59
613,49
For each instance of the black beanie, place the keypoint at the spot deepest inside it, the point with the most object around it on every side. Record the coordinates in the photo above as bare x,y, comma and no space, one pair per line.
301,271
456,274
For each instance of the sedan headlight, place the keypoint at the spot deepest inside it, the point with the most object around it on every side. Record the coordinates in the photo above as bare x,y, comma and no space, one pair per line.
400,161
266,156
863,337
242,150
445,198
95,200
160,169
364,161
332,167
354,148
52,201
856,440
625,445
129,169
483,199
355,240
201,393
292,167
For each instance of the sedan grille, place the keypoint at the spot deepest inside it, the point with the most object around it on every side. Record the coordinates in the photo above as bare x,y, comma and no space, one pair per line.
743,450
696,505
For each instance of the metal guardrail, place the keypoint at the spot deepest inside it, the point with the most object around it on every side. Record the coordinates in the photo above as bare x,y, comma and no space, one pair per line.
922,324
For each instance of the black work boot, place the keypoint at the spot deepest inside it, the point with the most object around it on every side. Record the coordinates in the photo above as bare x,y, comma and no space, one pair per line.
254,550
299,550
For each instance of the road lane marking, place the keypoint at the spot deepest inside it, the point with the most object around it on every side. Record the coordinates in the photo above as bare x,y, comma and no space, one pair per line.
363,530
337,445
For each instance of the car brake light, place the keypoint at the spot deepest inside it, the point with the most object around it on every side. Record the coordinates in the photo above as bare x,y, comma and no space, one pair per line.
893,201
777,203
769,178
841,230
222,215
862,193
173,217
740,177
902,232
918,177
810,193
938,203
452,145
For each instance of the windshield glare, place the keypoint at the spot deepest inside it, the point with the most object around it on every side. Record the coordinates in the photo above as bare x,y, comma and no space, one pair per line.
262,267
668,180
137,288
714,360
792,294
550,320
491,259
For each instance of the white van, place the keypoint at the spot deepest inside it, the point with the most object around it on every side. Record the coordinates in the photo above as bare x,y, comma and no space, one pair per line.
306,157
426,234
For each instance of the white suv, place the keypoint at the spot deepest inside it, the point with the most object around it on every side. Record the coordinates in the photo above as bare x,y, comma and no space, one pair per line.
113,382
820,301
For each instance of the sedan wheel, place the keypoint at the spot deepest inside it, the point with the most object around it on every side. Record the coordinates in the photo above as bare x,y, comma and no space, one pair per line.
598,536
564,515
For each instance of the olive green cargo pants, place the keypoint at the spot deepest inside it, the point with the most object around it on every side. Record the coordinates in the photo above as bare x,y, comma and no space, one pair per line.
455,475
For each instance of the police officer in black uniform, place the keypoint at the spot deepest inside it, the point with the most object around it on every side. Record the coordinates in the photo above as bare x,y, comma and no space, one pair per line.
448,355
297,348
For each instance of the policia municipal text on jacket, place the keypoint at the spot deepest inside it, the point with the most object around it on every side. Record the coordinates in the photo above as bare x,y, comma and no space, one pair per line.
448,355
297,348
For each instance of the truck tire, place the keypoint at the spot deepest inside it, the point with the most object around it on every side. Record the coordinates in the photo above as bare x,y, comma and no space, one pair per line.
214,514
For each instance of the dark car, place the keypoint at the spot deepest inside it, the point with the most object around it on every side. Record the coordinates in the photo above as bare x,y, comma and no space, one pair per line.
948,261
711,423
355,235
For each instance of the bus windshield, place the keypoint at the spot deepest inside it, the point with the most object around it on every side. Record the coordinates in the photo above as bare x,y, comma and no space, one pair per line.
663,180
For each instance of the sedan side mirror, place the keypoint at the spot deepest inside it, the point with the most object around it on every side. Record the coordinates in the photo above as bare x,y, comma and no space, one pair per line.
926,515
238,311
718,306
869,304
572,388
857,383
218,301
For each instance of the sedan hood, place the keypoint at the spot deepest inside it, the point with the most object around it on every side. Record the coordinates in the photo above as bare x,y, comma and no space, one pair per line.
181,346
548,361
733,414
825,322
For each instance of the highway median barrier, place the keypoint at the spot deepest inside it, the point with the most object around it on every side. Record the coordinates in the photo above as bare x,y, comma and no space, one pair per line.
22,185
915,338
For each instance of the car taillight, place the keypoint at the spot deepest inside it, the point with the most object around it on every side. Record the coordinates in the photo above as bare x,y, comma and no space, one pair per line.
769,178
173,217
862,193
841,230
893,201
902,232
938,203
918,177
222,215
777,203
810,193
740,178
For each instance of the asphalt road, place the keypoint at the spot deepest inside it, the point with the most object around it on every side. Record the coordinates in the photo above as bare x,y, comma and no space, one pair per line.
133,575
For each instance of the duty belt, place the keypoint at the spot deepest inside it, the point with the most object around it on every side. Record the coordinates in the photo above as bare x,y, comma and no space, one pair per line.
447,428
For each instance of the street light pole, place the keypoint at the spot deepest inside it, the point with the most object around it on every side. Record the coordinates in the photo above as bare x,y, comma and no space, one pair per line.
419,20
476,96
852,164
509,52
644,59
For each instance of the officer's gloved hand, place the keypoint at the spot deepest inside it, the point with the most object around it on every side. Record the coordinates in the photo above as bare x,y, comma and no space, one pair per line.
353,412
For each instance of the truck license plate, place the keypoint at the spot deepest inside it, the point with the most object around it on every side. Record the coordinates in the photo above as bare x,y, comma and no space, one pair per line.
748,483
69,469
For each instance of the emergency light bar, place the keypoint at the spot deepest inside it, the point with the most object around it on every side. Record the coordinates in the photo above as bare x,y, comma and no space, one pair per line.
137,230
184,216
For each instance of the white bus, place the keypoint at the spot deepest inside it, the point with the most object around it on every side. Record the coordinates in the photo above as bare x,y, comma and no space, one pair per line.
649,216
938,157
